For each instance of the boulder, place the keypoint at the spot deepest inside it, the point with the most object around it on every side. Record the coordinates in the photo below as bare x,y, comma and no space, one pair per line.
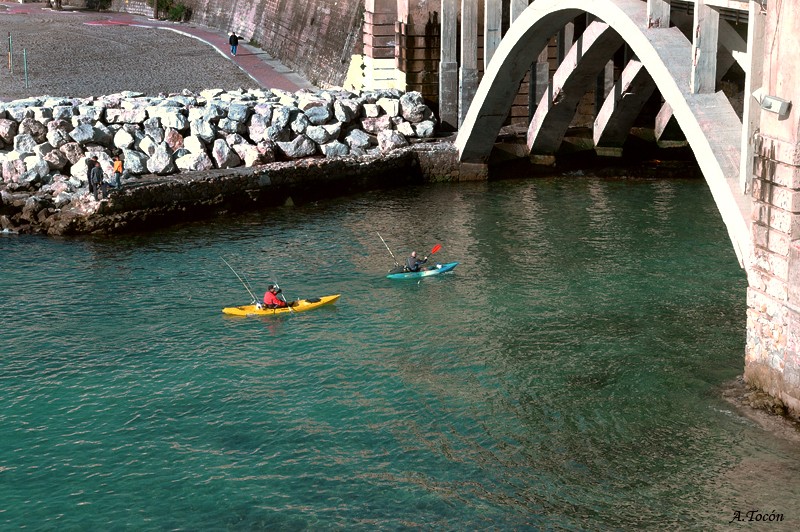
376,124
8,129
58,137
161,162
346,110
134,162
153,129
85,134
413,108
203,129
301,146
24,144
390,106
223,155
405,128
56,160
357,138
249,154
194,144
37,165
390,139
425,129
123,139
72,151
239,112
258,127
34,128
175,120
194,162
173,138
227,125
300,123
64,112
319,115
12,170
335,149
276,133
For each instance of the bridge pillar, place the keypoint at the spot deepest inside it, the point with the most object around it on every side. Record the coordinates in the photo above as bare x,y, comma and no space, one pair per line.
772,356
448,67
704,48
492,29
658,13
468,72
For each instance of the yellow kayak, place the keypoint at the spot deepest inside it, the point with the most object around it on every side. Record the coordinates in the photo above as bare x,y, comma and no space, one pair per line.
301,305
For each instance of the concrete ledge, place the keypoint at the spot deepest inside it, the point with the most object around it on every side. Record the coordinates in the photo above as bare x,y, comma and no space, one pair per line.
157,201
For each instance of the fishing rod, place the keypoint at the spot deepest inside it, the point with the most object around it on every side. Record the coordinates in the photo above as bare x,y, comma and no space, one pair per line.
255,299
387,249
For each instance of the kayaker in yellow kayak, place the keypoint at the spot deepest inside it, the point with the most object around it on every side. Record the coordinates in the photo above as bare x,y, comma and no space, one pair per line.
271,299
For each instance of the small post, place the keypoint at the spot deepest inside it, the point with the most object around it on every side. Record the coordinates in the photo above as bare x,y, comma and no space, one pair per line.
9,52
25,65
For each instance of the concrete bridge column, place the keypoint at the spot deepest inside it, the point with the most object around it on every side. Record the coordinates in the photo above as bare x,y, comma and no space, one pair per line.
772,356
658,13
704,48
468,71
752,81
448,67
492,29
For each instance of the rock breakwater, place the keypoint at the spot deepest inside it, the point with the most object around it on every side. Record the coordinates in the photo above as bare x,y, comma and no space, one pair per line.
188,154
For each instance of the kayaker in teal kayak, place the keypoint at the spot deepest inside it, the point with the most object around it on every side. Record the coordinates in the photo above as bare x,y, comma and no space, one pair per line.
413,264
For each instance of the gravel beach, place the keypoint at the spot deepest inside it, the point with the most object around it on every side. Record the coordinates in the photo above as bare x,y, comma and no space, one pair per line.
79,54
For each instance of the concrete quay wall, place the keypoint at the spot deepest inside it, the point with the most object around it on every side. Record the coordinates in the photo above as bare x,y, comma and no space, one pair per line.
160,201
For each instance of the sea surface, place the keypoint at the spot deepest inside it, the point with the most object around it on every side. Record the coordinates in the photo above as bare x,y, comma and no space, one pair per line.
567,375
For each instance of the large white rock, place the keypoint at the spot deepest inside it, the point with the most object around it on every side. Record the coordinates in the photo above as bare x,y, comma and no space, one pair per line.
194,162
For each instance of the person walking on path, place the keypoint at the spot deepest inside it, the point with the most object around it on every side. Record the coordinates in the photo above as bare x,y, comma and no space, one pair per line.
234,42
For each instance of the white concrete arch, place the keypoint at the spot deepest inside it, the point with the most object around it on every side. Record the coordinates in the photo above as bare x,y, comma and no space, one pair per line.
709,122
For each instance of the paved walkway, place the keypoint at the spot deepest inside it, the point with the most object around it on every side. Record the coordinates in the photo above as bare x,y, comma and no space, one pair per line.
258,64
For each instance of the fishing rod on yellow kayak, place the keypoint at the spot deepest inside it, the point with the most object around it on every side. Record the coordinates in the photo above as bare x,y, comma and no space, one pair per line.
246,287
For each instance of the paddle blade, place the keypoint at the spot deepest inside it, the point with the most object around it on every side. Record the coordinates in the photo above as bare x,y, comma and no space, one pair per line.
436,248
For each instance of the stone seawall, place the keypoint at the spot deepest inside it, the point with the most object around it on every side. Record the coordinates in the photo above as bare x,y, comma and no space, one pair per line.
313,37
157,201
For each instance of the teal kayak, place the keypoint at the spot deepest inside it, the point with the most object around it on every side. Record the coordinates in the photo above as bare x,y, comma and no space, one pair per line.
398,273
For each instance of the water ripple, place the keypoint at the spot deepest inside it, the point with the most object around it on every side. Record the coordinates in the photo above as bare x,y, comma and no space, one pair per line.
561,377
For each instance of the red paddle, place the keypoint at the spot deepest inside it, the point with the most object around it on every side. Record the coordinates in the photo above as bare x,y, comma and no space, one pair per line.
436,248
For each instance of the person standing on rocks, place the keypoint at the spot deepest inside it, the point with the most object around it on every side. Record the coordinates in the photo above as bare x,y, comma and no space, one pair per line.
117,172
89,167
234,42
97,179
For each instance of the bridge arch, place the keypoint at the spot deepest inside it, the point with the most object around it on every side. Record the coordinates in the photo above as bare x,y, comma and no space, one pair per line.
711,126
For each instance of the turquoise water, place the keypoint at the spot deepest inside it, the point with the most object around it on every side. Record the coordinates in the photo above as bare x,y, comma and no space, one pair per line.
566,375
